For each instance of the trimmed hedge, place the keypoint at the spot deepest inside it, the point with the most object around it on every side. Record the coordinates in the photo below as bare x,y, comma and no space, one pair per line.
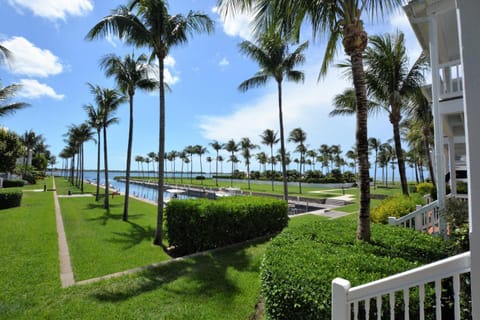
10,198
396,206
302,261
199,224
13,183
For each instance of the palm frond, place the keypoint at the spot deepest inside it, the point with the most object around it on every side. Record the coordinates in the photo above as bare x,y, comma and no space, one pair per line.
256,81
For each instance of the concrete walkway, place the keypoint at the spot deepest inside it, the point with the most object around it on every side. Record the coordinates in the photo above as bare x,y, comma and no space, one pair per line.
66,271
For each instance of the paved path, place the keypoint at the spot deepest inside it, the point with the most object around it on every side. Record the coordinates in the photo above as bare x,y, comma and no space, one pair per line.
66,272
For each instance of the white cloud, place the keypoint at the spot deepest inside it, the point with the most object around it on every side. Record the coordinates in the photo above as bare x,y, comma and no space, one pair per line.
54,9
399,20
170,79
169,61
33,89
236,25
306,106
30,60
224,62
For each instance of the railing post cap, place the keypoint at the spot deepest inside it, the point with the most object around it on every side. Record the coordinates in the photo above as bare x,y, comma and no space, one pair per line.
341,282
391,220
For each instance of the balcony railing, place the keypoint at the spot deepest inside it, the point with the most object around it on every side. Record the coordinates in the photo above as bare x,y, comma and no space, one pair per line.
451,74
424,219
416,293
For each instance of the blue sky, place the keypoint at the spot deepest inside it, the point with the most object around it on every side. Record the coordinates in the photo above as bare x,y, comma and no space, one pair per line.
54,63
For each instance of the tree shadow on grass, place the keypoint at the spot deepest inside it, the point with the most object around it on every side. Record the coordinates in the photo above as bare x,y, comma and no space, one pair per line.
136,235
197,278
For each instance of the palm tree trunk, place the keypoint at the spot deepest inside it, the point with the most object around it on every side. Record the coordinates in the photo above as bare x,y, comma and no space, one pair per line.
399,153
216,170
271,161
129,159
161,153
282,143
375,171
97,193
363,226
106,203
82,168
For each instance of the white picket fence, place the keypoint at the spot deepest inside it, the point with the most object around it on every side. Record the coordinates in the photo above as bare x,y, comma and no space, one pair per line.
368,301
424,219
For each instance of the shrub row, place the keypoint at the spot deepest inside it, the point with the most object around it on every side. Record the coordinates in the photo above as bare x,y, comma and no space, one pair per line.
302,261
10,198
396,206
13,183
199,224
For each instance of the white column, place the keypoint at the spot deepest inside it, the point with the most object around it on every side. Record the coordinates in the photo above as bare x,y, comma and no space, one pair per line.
437,122
340,308
467,11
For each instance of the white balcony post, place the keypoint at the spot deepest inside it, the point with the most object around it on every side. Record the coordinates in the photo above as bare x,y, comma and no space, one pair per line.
467,17
340,307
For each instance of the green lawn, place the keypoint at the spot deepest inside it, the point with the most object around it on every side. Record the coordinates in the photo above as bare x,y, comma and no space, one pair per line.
220,285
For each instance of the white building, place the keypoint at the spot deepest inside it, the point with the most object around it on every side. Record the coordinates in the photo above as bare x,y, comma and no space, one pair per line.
450,31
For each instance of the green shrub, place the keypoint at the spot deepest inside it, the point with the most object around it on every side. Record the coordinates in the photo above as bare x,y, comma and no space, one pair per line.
200,224
302,261
13,183
199,177
462,187
396,206
10,198
31,178
425,188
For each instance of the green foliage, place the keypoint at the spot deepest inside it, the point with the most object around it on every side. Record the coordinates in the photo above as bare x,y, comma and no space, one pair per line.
10,150
10,198
462,187
200,224
200,178
456,214
301,262
425,188
396,206
13,183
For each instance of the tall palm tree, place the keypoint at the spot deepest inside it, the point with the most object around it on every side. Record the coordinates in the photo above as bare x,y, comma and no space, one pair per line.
269,138
337,20
299,136
129,73
4,54
152,26
262,160
353,155
391,81
217,147
94,120
30,140
173,156
108,101
209,160
272,55
325,154
6,94
246,146
140,160
374,144
232,147
312,154
190,150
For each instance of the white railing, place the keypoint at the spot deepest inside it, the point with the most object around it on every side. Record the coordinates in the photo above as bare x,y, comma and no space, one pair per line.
426,218
451,74
419,291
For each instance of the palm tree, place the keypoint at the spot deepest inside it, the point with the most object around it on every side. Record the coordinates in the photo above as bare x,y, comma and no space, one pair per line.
262,160
231,147
421,113
173,156
140,160
272,55
107,101
385,155
30,140
374,144
220,159
269,138
246,146
313,155
299,136
153,157
94,120
184,158
78,135
6,94
191,151
325,154
353,155
4,54
338,20
153,27
217,147
209,160
130,73
200,150
391,80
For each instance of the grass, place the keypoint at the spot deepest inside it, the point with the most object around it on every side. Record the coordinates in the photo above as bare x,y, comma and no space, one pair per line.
220,285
